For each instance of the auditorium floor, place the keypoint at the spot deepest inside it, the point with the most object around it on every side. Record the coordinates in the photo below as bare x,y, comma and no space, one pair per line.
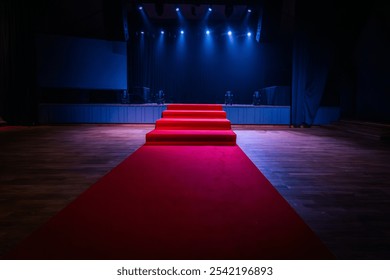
338,183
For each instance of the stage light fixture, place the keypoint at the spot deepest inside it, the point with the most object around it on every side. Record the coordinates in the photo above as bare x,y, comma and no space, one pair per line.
182,31
210,9
249,10
249,34
230,33
140,8
142,32
177,9
208,32
162,32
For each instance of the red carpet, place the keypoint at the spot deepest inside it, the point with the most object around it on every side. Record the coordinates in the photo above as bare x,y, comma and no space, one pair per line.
190,114
10,128
177,202
192,124
198,107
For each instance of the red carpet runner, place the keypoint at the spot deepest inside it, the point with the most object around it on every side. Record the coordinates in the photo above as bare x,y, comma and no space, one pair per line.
178,202
192,124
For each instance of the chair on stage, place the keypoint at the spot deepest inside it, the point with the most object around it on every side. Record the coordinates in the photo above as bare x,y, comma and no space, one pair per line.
228,98
160,98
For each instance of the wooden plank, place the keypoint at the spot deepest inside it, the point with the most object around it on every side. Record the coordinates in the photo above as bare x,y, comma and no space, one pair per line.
337,182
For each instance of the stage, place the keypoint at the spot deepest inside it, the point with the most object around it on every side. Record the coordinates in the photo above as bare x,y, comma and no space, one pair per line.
148,113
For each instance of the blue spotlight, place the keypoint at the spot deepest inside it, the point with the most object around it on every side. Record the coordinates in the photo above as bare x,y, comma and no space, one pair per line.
208,32
210,9
140,8
249,10
182,31
177,9
249,34
229,33
162,32
142,32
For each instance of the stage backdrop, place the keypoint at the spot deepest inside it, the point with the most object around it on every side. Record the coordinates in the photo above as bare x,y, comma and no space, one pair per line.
69,62
198,68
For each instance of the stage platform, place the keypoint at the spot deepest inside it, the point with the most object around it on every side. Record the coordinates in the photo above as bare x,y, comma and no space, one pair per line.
148,113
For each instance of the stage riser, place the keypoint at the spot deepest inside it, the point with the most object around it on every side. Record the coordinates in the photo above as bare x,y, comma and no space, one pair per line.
149,113
258,115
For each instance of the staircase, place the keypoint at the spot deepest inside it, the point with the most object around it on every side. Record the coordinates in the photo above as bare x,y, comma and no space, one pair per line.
192,124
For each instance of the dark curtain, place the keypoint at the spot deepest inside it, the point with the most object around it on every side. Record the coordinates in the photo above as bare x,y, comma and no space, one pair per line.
372,59
312,57
17,61
199,69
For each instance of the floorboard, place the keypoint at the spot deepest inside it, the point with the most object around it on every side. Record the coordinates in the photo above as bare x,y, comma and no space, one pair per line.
337,182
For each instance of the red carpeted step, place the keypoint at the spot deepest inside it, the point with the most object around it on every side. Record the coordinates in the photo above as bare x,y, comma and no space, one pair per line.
191,137
207,107
207,114
192,124
212,124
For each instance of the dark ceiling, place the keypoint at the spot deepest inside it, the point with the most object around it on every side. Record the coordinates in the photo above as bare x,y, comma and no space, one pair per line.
194,12
106,18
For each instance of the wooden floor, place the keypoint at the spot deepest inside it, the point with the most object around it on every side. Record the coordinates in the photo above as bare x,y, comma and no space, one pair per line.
338,183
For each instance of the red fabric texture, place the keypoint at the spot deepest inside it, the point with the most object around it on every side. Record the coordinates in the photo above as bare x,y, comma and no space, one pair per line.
10,128
196,123
192,124
177,202
191,137
191,114
202,107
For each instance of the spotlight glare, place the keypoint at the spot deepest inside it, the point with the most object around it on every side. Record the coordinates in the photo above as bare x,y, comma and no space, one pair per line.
249,10
140,8
142,32
229,33
249,34
208,32
177,9
181,31
210,9
162,32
